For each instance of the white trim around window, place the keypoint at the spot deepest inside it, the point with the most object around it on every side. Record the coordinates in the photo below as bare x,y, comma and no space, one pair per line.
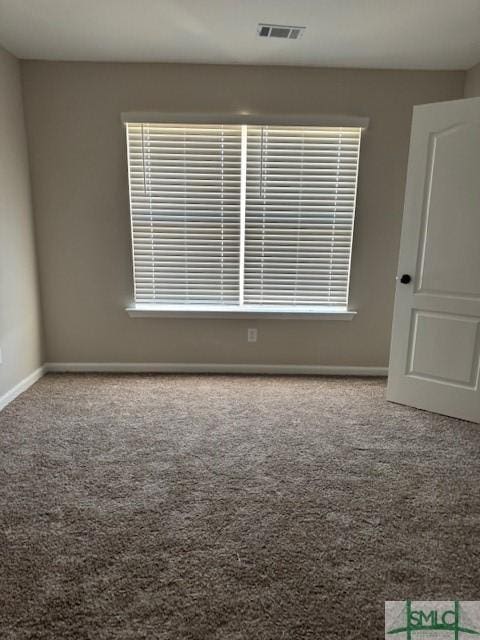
242,220
299,120
239,312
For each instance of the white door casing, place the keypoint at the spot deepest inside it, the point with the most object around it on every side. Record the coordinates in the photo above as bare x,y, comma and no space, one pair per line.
435,348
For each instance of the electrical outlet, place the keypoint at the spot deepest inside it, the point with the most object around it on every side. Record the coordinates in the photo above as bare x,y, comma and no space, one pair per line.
252,335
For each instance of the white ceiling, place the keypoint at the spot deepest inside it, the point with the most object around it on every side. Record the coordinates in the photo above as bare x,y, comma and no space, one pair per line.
413,34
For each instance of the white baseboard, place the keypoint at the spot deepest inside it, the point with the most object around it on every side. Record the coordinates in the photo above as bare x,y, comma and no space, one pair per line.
212,367
22,386
184,367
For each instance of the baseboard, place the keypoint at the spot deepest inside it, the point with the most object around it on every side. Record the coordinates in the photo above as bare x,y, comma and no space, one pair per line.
184,367
212,367
22,386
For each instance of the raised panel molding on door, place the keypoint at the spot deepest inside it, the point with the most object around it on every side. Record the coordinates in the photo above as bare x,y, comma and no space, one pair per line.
435,350
457,362
444,235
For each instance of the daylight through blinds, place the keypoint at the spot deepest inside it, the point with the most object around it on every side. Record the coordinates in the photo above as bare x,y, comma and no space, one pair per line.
185,209
242,215
301,186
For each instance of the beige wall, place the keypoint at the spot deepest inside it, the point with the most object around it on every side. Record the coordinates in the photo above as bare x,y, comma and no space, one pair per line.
79,174
472,82
20,333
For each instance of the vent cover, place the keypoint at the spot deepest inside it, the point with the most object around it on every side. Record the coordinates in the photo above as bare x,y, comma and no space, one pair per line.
280,31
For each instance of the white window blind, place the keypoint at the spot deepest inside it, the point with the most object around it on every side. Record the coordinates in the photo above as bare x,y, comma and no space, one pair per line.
300,205
242,216
185,211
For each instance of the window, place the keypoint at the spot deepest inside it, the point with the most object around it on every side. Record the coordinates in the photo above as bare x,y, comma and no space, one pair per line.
185,210
242,217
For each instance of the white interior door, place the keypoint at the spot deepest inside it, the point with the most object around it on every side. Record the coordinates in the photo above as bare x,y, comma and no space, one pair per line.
434,357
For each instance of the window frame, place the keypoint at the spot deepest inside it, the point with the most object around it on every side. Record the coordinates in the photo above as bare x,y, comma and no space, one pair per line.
330,312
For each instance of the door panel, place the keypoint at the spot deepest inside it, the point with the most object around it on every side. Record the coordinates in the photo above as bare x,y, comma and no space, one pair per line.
456,362
450,259
434,357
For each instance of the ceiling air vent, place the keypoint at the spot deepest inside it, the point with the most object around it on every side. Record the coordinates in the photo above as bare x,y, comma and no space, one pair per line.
279,31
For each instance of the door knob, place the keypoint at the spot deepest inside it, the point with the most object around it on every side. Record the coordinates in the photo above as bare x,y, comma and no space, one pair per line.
405,279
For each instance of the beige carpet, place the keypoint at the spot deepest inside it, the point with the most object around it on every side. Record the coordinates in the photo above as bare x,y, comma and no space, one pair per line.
228,508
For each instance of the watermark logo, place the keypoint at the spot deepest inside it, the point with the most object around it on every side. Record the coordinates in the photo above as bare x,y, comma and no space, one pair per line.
432,620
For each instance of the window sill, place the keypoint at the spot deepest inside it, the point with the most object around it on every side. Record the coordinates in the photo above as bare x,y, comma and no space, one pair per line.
247,311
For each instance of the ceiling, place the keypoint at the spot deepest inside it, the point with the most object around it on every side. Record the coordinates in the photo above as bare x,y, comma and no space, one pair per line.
404,34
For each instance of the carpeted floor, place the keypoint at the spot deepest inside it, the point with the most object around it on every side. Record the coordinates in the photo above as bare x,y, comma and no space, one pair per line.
228,508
